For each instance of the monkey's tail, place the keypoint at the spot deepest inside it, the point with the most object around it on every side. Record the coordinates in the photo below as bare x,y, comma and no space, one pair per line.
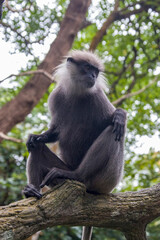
87,233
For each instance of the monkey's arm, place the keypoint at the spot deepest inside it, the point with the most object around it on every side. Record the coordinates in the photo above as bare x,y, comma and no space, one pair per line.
51,135
119,123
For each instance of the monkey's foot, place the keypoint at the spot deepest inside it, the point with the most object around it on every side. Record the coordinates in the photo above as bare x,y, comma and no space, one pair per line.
31,191
49,178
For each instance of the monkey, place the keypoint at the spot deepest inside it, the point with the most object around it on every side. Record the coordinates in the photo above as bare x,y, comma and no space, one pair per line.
89,129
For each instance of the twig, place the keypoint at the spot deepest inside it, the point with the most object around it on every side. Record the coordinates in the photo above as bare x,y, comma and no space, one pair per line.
6,25
122,71
15,10
25,39
129,95
48,75
132,5
4,136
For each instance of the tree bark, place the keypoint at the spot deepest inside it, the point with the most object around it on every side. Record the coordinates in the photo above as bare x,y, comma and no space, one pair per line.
69,204
136,234
17,109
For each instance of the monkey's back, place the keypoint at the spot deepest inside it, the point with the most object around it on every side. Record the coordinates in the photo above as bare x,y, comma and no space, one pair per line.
80,119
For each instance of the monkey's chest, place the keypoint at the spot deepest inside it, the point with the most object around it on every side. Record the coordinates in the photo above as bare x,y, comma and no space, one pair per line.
80,123
75,140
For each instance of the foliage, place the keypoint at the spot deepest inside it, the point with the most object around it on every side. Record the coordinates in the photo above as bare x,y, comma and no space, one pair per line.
131,53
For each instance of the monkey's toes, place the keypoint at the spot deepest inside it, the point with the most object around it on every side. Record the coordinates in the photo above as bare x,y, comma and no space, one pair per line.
31,191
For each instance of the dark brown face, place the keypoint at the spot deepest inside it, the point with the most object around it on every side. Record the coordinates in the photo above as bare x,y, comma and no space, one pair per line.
87,73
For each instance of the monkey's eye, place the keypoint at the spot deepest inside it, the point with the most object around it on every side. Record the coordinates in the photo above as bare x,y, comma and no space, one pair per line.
96,71
87,67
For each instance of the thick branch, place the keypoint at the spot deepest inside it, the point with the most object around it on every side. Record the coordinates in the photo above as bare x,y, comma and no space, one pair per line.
16,110
114,16
100,34
69,204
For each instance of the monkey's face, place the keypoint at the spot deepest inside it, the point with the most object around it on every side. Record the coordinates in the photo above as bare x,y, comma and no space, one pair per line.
83,73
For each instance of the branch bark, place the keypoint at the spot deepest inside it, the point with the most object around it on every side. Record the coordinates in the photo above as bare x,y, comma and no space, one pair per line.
17,109
102,32
69,204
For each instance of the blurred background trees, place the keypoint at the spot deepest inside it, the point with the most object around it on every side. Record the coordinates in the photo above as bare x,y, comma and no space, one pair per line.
126,35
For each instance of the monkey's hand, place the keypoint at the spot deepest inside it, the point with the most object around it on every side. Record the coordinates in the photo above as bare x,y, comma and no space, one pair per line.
34,140
31,191
119,122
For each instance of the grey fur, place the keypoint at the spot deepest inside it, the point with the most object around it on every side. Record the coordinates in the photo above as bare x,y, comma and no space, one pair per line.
89,129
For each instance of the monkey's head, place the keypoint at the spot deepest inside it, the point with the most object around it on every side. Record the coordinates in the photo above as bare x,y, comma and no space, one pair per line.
84,68
81,71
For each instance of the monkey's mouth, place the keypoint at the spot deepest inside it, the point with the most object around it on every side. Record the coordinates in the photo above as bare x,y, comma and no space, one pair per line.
90,83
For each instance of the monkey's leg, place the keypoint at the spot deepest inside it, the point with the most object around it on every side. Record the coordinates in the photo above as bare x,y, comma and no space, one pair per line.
102,167
40,161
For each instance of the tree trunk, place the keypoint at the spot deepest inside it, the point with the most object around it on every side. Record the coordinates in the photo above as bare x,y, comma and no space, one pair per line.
17,109
136,234
69,204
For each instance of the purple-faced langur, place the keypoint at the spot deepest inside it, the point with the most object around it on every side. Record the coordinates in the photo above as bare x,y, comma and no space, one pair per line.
89,129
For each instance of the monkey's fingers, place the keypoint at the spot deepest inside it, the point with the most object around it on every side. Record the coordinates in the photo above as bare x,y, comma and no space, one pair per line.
117,132
122,129
42,139
31,142
53,173
121,132
47,180
39,139
31,191
115,126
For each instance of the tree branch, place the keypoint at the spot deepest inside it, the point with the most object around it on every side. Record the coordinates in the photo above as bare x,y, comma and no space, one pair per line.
100,33
48,75
15,10
69,204
114,16
35,88
124,69
25,40
129,95
4,136
6,25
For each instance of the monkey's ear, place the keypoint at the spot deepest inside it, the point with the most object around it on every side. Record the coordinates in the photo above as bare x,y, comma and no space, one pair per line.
70,59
